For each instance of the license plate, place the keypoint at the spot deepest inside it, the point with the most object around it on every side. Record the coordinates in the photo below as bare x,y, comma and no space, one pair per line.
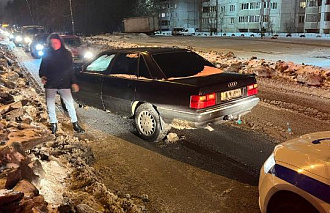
231,94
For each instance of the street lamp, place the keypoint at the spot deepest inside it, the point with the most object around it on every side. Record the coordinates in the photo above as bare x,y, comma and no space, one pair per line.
72,20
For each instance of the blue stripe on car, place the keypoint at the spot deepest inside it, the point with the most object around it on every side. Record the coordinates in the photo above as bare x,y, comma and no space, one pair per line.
308,184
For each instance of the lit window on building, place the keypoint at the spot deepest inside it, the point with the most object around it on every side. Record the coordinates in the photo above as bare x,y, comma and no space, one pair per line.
302,4
163,15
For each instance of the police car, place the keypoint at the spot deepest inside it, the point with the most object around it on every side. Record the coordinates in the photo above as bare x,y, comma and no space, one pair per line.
296,176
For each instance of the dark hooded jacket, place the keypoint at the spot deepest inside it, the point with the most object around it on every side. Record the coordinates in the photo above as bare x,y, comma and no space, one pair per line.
57,66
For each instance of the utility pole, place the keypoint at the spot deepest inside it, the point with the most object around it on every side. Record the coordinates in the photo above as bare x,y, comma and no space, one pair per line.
72,19
27,2
216,16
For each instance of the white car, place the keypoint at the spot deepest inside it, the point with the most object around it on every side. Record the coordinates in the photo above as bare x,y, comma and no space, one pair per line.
296,177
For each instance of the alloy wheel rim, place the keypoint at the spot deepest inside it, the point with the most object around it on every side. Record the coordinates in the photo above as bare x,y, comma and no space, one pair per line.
147,123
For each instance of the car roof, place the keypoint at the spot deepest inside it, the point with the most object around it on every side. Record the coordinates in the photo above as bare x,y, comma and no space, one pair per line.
151,50
69,36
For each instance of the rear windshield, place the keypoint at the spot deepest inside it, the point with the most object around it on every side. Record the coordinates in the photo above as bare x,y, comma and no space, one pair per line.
73,42
42,38
180,64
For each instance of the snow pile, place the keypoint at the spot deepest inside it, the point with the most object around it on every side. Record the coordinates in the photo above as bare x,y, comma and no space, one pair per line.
41,172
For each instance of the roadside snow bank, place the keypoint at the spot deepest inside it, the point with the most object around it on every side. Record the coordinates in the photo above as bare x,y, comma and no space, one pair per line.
38,171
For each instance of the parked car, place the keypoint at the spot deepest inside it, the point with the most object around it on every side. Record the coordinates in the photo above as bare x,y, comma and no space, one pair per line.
156,86
80,52
38,45
177,31
188,31
296,176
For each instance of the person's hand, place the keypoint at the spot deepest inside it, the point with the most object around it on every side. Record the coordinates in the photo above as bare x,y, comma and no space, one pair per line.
75,87
43,80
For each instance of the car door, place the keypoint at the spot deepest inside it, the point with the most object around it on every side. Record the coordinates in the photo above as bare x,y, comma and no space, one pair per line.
119,85
90,81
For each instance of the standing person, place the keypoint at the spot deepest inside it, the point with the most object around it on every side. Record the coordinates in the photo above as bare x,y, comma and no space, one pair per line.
57,75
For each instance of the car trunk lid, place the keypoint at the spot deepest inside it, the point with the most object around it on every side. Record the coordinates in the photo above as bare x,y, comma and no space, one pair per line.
219,88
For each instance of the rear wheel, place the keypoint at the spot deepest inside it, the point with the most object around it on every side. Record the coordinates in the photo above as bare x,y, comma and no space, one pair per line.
149,124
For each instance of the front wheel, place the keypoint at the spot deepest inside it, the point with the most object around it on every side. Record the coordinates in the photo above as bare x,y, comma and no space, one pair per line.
149,124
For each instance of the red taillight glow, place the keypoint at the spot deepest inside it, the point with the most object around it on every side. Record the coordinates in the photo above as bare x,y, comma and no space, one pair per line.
202,101
252,89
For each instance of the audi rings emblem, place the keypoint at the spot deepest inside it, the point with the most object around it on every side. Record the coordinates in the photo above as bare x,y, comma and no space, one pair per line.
232,84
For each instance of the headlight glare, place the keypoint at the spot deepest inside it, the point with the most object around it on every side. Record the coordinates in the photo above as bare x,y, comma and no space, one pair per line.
88,55
39,46
27,40
18,38
40,53
269,163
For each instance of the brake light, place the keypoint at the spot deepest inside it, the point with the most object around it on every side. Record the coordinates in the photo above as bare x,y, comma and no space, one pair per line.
202,101
252,89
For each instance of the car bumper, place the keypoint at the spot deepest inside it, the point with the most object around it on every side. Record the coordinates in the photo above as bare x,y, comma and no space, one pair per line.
217,114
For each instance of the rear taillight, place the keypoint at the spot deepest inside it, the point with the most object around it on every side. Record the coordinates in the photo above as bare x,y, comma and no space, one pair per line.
252,89
202,101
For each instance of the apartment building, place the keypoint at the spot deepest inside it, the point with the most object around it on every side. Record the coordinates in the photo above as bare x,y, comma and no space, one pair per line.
317,18
179,13
272,16
251,16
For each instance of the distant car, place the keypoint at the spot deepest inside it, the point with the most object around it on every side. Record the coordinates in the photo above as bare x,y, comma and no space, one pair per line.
80,52
27,34
38,45
17,38
188,31
177,31
157,86
296,177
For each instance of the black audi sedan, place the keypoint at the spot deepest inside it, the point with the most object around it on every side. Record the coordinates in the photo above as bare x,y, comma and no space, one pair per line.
156,86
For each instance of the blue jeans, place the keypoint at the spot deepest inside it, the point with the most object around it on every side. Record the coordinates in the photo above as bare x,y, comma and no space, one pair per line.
67,99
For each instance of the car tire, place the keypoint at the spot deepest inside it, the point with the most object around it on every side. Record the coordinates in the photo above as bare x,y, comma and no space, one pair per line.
149,123
288,202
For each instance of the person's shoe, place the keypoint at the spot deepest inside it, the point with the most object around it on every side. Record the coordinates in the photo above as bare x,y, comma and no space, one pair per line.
77,128
53,128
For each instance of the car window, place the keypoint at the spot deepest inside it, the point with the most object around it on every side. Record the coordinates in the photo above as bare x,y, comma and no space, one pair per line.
143,69
181,64
101,63
126,63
